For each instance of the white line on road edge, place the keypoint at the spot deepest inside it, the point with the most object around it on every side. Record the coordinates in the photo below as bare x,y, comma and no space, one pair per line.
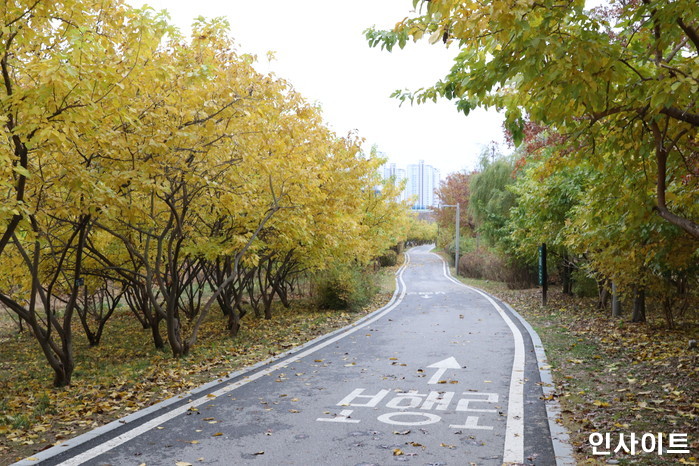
514,430
559,435
87,455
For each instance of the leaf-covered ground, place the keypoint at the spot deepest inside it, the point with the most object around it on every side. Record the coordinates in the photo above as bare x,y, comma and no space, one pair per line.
125,373
613,376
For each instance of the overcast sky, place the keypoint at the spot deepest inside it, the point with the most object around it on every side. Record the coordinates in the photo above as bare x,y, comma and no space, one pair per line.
320,48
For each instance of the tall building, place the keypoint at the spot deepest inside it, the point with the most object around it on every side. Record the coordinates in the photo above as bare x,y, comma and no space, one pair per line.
423,180
391,171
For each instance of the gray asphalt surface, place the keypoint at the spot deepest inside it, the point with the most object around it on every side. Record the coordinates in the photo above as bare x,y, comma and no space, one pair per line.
428,382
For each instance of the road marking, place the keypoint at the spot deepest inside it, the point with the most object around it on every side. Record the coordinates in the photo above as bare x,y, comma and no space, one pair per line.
388,418
343,416
357,393
441,399
463,404
425,294
471,423
143,428
442,366
514,431
411,399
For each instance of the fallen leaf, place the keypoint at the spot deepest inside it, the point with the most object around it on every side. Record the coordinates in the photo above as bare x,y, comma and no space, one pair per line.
398,452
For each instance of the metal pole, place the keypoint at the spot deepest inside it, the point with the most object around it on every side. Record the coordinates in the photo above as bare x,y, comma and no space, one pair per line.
458,239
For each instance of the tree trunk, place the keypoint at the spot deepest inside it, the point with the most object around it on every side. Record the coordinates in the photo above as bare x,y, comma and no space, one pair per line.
639,305
616,302
174,336
603,295
567,275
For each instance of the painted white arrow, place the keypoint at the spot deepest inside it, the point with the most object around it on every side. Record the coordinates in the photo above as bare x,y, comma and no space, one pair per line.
442,366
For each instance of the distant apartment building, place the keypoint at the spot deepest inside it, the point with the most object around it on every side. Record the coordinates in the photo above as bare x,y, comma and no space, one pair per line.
391,171
422,181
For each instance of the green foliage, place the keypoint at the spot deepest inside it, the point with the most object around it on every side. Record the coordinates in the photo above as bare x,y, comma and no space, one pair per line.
583,285
544,204
491,200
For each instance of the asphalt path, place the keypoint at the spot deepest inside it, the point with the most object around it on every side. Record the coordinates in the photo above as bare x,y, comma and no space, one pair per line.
443,375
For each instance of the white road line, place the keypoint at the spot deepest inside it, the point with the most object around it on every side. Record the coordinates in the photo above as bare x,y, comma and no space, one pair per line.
131,434
514,430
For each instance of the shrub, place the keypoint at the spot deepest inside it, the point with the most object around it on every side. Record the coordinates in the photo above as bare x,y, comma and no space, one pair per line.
584,286
484,264
472,265
388,259
347,287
